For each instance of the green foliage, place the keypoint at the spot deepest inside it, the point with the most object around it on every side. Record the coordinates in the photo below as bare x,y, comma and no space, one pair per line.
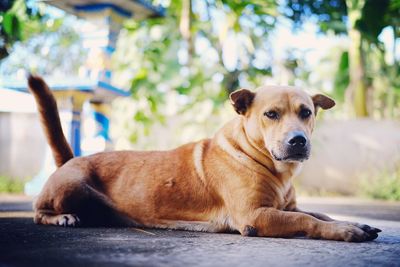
14,19
9,185
342,78
329,15
22,20
385,186
363,22
51,44
373,19
333,15
376,15
194,64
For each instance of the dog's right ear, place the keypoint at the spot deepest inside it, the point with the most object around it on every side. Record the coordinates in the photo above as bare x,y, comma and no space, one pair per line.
322,101
241,100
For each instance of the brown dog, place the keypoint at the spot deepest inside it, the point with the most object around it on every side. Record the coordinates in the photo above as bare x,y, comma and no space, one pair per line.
240,180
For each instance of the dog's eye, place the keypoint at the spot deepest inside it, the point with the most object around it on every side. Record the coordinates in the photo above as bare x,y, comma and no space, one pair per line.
305,113
273,115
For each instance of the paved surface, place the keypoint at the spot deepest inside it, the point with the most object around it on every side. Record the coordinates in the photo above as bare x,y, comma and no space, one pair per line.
24,244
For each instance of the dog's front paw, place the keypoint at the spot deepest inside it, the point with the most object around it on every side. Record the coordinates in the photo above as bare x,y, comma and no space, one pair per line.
350,232
372,231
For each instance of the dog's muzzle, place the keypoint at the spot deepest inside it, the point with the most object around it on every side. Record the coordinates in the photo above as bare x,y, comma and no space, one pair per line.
296,147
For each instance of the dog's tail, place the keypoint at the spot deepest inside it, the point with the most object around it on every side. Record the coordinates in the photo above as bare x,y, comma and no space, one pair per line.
50,120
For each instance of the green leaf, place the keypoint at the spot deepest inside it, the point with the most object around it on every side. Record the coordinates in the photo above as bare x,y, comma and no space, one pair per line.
11,25
372,21
342,77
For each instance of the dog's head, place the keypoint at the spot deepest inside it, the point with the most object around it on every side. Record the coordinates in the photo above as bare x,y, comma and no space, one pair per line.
280,119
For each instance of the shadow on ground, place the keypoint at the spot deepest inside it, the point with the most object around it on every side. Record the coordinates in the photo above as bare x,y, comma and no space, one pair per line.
23,243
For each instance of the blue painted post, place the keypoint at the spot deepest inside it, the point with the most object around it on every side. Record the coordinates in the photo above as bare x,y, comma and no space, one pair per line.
75,133
78,99
102,46
101,113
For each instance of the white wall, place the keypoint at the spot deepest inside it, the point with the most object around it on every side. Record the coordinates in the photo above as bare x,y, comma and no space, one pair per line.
22,144
345,152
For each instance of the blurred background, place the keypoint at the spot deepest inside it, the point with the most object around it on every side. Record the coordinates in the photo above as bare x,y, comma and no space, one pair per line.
160,79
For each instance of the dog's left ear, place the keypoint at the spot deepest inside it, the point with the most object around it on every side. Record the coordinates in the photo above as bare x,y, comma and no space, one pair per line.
322,101
241,100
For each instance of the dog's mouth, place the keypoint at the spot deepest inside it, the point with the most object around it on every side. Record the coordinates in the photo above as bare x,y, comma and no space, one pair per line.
293,157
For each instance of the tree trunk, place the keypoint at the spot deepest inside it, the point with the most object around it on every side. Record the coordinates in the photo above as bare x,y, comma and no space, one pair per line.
358,85
185,27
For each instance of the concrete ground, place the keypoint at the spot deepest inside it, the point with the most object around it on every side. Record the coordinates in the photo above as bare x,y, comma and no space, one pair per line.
23,243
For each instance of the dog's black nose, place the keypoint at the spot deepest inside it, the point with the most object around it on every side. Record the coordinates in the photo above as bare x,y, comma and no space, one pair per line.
297,139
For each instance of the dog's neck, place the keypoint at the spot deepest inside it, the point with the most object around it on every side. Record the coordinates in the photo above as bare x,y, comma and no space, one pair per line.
234,140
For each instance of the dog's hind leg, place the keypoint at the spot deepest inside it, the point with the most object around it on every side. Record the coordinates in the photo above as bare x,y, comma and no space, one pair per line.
41,217
56,203
69,199
84,206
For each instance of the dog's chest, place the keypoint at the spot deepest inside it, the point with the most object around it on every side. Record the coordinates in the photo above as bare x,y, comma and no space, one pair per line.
273,192
284,195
